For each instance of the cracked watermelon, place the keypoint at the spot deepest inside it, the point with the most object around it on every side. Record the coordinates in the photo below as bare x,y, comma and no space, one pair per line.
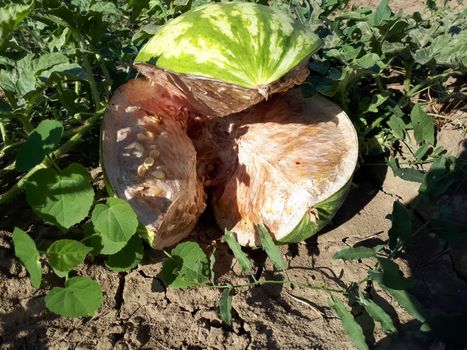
215,121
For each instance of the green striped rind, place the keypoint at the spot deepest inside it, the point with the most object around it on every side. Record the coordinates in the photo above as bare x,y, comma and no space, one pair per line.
245,44
326,211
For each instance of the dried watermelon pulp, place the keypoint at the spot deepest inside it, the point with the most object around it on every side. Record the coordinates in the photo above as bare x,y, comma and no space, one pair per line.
176,140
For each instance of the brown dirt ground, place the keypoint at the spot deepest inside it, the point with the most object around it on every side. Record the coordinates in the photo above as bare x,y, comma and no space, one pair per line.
140,313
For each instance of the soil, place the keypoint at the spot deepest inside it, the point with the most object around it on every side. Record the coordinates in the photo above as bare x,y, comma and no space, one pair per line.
139,312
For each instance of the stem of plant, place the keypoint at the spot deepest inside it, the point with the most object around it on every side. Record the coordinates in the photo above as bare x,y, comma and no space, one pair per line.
261,282
65,148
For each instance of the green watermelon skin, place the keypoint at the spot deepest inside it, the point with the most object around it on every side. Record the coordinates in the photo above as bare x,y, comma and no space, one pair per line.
245,44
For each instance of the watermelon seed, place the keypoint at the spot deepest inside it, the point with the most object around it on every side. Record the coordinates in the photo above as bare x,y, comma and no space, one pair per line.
149,161
141,170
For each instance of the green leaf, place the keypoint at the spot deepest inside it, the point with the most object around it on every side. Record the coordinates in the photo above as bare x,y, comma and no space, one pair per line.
423,126
10,16
270,248
421,152
43,140
382,13
368,61
408,302
378,314
226,306
116,222
66,254
352,328
64,198
392,276
127,258
237,251
397,126
439,178
188,266
407,174
355,253
401,224
27,253
82,296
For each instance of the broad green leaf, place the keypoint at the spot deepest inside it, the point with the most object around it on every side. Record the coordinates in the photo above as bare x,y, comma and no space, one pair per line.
116,222
408,174
237,251
64,198
382,13
270,248
10,16
401,224
355,253
188,266
66,254
397,126
43,140
91,238
423,126
351,326
378,314
392,276
82,296
226,306
49,60
27,253
368,61
127,258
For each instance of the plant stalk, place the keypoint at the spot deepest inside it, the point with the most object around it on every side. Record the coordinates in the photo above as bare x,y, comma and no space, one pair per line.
65,148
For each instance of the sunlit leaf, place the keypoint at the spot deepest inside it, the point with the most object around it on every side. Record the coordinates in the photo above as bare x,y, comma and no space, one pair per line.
351,326
188,266
82,296
66,254
355,253
64,198
237,251
27,253
270,247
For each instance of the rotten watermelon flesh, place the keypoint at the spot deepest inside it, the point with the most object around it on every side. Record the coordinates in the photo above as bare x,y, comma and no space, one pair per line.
276,163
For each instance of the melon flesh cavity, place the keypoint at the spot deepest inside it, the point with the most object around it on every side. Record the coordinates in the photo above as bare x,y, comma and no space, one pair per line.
285,163
291,154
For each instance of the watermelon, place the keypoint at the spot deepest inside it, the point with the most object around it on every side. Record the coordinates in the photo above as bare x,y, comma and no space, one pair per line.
226,57
215,121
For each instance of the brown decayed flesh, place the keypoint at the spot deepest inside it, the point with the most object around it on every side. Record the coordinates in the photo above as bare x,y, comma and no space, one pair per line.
214,98
291,153
269,164
150,161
